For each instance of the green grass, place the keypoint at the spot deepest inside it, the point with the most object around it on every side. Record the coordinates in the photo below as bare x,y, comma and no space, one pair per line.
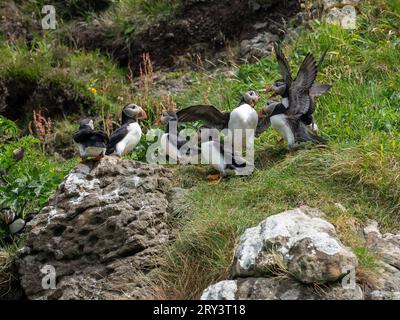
358,170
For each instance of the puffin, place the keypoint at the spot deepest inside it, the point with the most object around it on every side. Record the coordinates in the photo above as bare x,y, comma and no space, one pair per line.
223,159
242,117
91,143
282,87
14,224
126,138
287,123
172,144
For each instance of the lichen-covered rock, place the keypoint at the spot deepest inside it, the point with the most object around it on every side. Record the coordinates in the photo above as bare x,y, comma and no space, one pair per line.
341,12
99,232
339,3
387,250
276,288
306,243
387,247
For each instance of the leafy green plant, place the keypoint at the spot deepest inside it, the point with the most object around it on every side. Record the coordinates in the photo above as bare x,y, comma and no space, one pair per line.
27,183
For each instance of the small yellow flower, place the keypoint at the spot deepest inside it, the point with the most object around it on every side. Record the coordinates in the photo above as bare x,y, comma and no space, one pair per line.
92,90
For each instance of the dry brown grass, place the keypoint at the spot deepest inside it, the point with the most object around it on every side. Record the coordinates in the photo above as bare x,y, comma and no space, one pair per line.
5,274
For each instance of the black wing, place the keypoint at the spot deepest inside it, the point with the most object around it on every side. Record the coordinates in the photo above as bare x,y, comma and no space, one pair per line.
318,90
262,125
101,135
116,137
299,98
210,115
284,65
82,135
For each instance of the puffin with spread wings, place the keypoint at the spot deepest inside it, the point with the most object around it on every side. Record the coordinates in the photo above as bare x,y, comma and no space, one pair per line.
243,119
291,117
281,88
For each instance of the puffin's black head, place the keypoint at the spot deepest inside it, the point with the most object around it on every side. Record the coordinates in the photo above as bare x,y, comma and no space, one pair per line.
278,88
168,116
251,98
132,112
86,123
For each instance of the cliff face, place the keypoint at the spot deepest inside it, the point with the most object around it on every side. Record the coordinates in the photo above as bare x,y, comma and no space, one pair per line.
99,233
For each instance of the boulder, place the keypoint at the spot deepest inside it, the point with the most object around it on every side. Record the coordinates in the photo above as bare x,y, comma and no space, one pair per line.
276,288
306,245
293,255
387,250
99,233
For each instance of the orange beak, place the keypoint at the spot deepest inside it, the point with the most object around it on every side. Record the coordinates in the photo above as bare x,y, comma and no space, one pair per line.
269,89
157,122
143,114
261,113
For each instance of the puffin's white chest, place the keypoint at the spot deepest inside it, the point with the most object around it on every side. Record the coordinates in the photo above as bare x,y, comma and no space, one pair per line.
243,117
280,124
131,139
285,102
242,124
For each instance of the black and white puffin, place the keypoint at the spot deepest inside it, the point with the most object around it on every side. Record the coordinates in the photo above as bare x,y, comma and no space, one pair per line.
282,87
241,118
287,124
223,159
172,144
91,143
126,138
13,223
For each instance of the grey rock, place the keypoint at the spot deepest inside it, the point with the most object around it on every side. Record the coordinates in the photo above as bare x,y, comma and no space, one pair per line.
224,290
387,246
16,226
260,46
100,231
306,244
387,250
277,288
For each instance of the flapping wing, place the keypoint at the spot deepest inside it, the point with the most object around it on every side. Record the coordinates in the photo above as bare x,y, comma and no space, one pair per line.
284,65
210,115
299,98
318,90
116,137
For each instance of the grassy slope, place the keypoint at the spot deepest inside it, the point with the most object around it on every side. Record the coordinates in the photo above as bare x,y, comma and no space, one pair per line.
356,177
360,117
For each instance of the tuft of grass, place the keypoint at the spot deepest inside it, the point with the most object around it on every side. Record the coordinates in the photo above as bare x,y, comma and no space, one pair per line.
357,171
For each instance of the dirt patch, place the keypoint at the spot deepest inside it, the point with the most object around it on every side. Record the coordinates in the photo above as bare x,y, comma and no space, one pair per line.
202,27
19,97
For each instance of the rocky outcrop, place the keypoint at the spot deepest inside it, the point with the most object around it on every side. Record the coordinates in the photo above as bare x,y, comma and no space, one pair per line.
276,288
306,244
297,255
341,12
387,250
282,256
99,233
